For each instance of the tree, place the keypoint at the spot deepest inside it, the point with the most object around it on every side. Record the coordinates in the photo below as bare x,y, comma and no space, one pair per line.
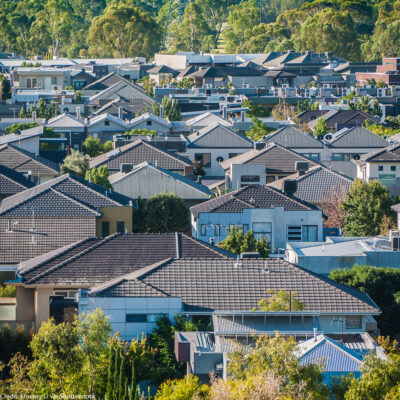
99,176
382,285
20,127
364,207
122,31
331,207
182,389
321,127
5,88
76,163
256,110
272,360
193,33
165,212
330,30
281,300
171,109
238,242
92,146
258,130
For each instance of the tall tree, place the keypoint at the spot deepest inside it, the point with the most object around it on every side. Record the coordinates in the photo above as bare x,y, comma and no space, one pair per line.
75,163
123,31
364,207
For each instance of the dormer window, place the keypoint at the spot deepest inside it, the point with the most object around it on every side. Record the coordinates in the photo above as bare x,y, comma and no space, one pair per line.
148,123
106,122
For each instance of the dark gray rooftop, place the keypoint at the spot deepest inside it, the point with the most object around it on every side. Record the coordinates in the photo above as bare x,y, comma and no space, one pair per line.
225,285
356,137
253,196
12,182
291,137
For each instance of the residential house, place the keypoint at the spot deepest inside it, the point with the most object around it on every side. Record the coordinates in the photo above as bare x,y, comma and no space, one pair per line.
243,77
383,165
205,120
151,122
47,285
81,79
37,168
57,213
314,186
298,141
12,182
263,166
145,180
225,289
28,139
105,126
211,145
142,151
271,214
388,72
342,252
41,78
162,73
72,130
339,119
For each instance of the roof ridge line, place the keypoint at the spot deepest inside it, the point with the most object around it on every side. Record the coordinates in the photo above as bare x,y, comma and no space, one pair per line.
71,247
73,258
135,275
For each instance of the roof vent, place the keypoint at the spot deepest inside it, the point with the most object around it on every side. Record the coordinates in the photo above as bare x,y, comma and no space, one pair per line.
289,187
259,145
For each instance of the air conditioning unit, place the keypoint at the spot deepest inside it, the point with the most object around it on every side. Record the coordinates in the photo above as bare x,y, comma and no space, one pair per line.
209,85
165,86
380,92
285,86
307,93
326,86
276,92
345,92
246,85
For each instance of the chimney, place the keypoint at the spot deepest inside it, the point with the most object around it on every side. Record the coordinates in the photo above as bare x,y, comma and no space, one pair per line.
62,99
120,113
289,187
301,167
78,112
242,116
224,112
33,116
212,241
315,334
161,112
126,167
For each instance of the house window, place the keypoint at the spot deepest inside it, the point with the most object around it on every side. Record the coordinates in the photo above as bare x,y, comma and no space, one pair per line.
54,80
354,322
393,168
217,230
250,178
148,123
380,167
387,179
105,228
294,233
67,294
31,83
263,230
245,228
204,159
107,122
137,318
310,233
203,230
121,226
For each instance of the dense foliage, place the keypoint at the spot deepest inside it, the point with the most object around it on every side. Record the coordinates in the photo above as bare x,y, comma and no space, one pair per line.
99,176
238,242
382,285
165,212
75,163
358,29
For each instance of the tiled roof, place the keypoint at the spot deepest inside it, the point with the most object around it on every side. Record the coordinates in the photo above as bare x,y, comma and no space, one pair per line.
12,182
389,154
250,197
22,160
95,261
356,137
291,137
346,168
316,184
215,72
338,117
138,152
163,69
108,81
25,134
225,285
276,159
218,136
48,198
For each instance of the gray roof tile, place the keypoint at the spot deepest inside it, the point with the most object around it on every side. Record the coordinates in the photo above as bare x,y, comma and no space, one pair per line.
293,138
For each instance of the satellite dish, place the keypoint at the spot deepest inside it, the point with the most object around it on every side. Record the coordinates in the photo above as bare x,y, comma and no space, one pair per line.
356,157
320,137
328,137
220,159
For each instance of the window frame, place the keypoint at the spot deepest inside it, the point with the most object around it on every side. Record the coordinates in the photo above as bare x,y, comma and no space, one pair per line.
136,316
